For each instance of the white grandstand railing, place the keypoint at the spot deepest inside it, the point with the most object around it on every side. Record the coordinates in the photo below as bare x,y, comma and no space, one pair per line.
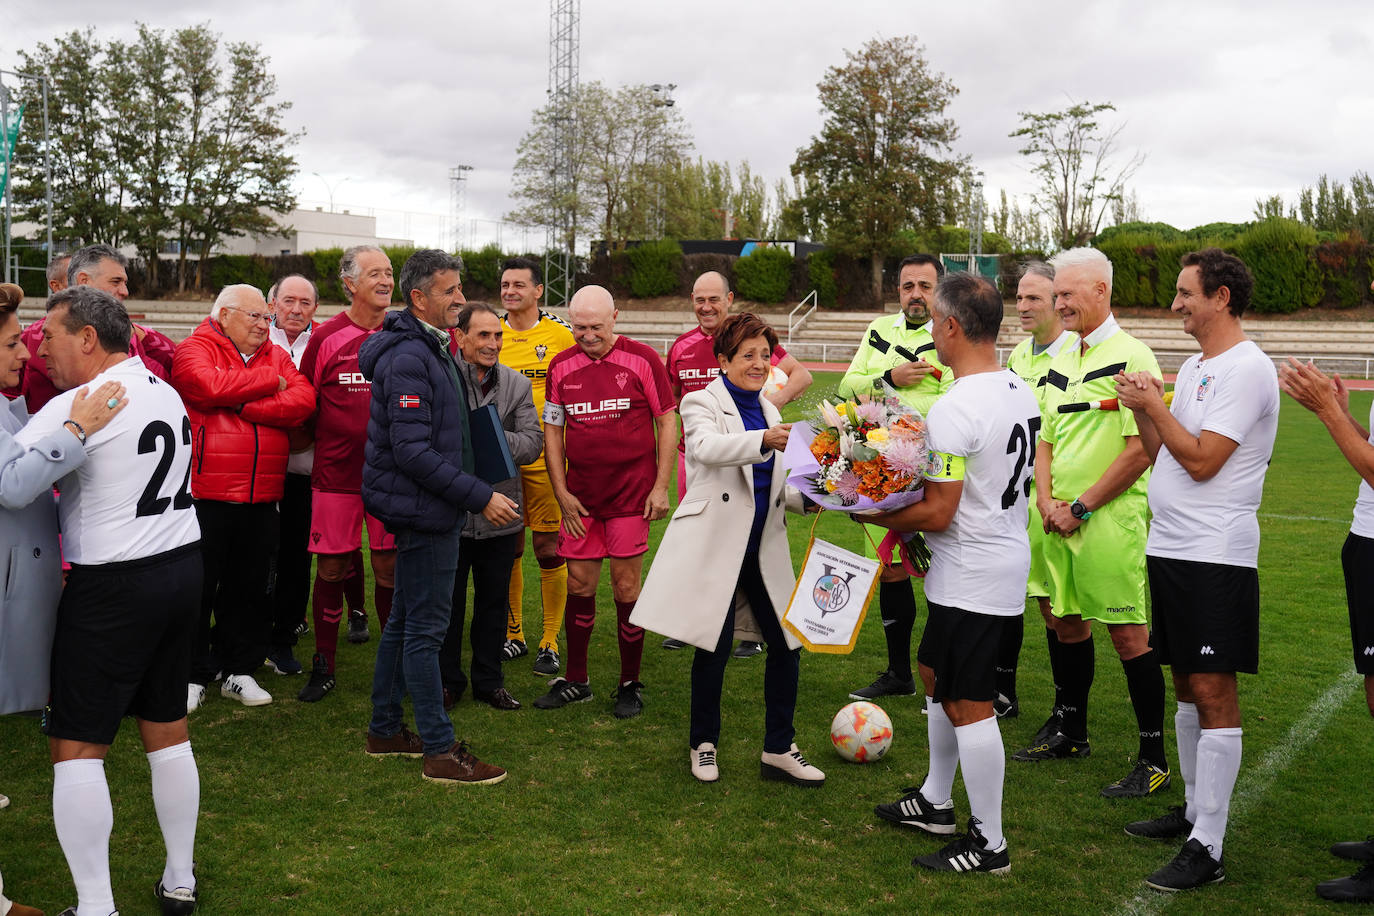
794,323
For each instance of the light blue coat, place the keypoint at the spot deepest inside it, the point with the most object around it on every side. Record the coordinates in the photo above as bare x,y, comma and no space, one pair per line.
30,564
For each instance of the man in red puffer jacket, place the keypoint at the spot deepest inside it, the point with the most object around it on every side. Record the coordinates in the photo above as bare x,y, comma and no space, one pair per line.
242,393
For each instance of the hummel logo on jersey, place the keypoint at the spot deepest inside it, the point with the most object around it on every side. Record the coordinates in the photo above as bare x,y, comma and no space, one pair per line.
1206,650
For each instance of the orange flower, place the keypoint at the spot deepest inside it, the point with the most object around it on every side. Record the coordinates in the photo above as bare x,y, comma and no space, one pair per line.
825,445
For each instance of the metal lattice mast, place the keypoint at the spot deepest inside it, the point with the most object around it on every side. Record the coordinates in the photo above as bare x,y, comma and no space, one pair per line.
560,259
455,204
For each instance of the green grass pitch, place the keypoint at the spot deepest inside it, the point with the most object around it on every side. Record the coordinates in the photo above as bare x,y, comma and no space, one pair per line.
601,816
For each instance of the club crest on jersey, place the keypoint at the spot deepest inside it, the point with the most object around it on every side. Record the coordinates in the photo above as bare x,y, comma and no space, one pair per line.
831,590
1203,385
539,351
622,379
408,400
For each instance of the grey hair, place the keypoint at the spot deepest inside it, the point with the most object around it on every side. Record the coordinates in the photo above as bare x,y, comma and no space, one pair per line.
1091,258
974,302
229,296
57,268
88,306
420,268
348,264
84,259
1037,269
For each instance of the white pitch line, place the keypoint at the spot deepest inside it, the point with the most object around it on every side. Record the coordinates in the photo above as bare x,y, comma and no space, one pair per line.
1257,780
1304,518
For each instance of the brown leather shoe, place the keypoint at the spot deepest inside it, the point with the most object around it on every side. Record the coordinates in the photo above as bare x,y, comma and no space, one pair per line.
457,765
499,698
18,909
404,743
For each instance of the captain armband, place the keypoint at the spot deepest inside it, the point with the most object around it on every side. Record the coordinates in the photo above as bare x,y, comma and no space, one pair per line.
553,413
944,466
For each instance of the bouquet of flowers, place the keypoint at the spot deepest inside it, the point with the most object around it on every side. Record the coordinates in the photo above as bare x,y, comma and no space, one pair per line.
861,456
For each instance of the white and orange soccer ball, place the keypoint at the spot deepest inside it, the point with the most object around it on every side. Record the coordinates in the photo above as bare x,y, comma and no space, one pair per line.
861,732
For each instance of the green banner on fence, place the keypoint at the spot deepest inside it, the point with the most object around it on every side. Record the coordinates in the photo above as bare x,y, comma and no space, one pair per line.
9,134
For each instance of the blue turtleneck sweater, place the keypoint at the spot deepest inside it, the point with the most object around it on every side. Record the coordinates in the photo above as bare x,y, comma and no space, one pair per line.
751,412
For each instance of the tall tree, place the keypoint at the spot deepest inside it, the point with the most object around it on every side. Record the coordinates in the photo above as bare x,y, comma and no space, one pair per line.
884,159
1078,168
710,200
626,147
155,140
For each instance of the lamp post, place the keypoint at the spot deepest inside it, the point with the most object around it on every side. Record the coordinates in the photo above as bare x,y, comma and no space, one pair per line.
662,97
330,188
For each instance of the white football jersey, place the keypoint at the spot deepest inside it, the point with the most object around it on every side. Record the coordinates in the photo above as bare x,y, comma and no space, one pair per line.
1234,394
980,563
132,497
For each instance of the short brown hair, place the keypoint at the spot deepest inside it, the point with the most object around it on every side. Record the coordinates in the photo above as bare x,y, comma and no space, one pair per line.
736,329
10,297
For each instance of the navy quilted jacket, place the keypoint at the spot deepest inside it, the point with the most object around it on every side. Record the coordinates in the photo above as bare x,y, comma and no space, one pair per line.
416,475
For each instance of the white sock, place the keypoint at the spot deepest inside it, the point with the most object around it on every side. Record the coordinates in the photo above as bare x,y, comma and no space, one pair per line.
82,814
1186,732
983,760
1218,762
176,798
944,755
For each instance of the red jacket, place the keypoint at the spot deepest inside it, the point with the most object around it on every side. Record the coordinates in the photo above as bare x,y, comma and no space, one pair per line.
239,415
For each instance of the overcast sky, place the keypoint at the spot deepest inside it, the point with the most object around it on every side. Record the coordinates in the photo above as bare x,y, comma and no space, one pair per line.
1229,101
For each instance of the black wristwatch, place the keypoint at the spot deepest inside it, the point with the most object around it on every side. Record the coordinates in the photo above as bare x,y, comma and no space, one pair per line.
1080,511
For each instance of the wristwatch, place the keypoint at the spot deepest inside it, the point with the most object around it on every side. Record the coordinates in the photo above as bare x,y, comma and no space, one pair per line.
1080,511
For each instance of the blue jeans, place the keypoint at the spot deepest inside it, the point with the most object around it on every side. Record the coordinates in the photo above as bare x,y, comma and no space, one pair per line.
408,653
780,671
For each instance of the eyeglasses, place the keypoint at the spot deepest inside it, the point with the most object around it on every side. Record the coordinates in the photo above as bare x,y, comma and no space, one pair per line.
268,317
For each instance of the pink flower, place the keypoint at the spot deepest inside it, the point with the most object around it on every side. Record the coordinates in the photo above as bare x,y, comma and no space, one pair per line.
906,456
847,488
871,411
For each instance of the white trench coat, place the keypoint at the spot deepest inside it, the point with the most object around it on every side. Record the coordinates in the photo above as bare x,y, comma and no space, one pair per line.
687,592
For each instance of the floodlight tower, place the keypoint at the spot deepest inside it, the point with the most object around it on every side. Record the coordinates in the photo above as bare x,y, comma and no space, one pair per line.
560,259
975,222
456,177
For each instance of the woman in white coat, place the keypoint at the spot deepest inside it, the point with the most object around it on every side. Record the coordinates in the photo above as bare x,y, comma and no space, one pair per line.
723,568
30,566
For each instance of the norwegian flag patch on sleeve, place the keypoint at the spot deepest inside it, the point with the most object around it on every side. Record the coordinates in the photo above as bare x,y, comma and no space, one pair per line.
408,400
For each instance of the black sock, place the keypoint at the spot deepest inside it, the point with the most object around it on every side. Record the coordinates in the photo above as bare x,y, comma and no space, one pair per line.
897,604
1076,680
1145,682
1008,651
1056,665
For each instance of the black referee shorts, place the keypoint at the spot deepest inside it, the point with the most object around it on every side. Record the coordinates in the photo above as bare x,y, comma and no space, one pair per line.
123,644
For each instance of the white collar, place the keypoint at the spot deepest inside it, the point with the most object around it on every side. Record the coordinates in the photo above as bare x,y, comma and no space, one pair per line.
900,322
1102,331
1060,342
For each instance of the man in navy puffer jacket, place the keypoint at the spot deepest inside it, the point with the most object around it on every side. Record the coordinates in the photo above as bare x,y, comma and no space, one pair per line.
418,479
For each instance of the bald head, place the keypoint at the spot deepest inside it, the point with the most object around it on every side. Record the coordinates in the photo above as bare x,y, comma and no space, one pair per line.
711,298
592,314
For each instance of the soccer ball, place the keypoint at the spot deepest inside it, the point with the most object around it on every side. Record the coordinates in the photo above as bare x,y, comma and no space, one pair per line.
861,732
776,379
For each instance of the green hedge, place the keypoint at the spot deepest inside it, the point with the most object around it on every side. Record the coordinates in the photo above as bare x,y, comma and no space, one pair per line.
764,274
1293,267
653,268
820,270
